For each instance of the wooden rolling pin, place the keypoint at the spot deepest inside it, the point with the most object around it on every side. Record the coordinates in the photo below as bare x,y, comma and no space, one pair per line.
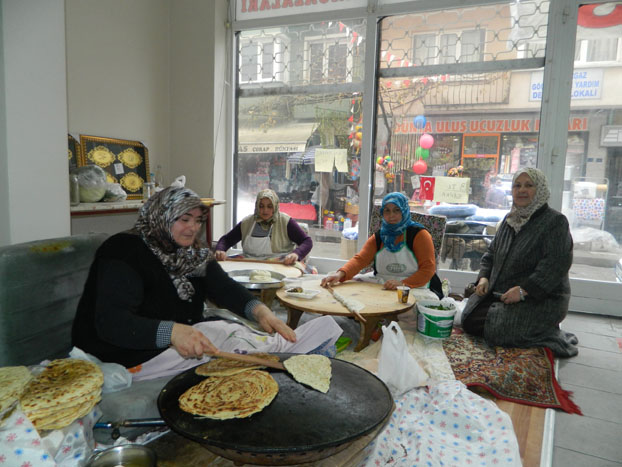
341,300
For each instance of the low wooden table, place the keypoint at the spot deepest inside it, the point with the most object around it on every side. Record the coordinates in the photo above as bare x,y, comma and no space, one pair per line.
379,304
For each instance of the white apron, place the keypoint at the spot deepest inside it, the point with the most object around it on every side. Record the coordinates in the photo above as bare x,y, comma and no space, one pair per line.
258,247
396,265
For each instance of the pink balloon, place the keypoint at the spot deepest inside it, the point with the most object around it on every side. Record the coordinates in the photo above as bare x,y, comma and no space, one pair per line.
426,141
420,167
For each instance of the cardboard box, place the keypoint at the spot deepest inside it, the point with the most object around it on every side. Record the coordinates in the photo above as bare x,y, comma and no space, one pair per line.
348,248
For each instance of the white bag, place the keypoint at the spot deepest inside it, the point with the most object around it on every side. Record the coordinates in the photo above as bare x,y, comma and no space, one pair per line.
396,366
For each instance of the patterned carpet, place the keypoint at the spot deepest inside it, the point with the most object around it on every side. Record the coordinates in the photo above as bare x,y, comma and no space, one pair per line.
524,376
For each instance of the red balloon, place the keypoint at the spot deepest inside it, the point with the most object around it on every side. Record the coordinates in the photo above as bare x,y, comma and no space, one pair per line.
420,167
426,141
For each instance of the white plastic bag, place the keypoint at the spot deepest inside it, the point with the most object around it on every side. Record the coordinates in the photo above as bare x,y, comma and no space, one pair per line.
396,366
116,377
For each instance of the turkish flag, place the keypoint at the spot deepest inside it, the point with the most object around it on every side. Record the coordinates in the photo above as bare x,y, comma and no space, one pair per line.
427,188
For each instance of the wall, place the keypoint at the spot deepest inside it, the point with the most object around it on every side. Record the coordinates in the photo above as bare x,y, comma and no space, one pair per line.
118,73
197,98
34,191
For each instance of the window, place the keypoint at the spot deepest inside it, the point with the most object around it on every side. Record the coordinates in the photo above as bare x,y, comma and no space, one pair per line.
597,50
459,47
329,60
261,60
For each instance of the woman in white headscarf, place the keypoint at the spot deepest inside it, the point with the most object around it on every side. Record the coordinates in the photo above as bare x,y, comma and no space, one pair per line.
522,290
267,233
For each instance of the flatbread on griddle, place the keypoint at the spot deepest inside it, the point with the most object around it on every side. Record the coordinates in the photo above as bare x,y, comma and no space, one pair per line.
226,367
237,396
312,370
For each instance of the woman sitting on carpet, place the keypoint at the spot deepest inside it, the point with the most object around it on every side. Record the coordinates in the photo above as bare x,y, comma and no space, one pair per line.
523,290
146,291
396,260
268,233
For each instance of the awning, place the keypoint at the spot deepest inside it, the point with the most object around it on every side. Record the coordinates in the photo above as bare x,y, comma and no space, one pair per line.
304,158
291,137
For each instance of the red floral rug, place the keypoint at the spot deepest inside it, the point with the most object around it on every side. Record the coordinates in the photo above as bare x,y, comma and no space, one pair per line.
524,376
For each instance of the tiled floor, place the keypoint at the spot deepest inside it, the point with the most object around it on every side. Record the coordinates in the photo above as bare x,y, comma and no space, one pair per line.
595,378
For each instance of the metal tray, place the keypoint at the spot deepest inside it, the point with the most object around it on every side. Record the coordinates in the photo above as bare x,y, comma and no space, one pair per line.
243,277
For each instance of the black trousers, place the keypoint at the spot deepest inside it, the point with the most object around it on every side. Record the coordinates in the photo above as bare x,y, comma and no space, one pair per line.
474,323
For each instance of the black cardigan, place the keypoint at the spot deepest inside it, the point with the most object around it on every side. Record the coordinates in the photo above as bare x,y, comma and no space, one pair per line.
128,293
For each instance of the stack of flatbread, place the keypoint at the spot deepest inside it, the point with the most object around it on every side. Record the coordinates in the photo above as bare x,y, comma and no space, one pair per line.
67,389
237,396
13,380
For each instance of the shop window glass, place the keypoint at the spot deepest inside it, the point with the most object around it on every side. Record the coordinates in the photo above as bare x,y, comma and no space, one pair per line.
453,126
592,192
299,111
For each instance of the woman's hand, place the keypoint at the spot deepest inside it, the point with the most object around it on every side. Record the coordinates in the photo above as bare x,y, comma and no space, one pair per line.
392,284
333,278
220,255
270,323
512,295
482,287
190,342
290,259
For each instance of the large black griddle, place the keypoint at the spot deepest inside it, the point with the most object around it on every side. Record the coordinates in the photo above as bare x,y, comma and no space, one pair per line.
301,424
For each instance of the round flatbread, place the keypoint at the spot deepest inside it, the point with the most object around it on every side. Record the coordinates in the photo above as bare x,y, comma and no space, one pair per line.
62,382
312,370
13,381
226,367
237,396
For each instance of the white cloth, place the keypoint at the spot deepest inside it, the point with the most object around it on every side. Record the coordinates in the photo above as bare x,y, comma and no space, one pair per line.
258,247
396,265
231,337
22,445
445,425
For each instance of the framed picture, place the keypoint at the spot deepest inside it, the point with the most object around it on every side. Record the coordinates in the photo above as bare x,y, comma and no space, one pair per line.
73,151
125,162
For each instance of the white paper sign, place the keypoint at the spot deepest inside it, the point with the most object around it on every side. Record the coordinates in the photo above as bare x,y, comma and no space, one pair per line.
452,189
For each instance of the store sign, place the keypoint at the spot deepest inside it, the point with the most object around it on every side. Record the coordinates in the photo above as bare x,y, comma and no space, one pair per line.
265,148
484,125
586,84
255,9
611,135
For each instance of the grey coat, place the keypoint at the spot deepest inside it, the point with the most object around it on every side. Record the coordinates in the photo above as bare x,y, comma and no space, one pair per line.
537,259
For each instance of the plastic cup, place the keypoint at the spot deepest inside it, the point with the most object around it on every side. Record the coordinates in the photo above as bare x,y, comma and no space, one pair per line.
402,294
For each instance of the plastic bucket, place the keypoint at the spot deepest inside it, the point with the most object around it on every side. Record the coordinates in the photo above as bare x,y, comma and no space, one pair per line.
433,323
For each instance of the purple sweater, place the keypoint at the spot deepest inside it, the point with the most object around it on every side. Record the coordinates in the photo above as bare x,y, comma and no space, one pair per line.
294,232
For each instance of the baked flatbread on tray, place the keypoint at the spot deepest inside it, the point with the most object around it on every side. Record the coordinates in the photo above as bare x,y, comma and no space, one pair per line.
62,393
13,380
237,396
226,367
312,370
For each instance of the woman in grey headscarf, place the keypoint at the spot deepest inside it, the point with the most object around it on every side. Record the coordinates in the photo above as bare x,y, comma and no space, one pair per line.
523,289
147,287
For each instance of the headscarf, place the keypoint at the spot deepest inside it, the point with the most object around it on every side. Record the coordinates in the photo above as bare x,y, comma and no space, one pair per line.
154,223
272,196
519,216
389,232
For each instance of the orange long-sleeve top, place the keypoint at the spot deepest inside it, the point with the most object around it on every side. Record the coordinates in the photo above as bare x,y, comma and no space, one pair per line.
423,247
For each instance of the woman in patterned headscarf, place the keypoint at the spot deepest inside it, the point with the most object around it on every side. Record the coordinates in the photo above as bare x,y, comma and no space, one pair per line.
523,289
147,287
394,261
267,233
